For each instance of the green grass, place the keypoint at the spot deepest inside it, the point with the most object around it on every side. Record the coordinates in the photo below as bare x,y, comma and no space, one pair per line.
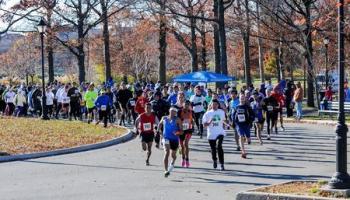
27,135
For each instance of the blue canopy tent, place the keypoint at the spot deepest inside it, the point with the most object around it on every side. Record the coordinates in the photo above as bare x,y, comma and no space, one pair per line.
203,77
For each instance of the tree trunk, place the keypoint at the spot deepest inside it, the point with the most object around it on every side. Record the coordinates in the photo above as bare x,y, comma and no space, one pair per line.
247,76
194,52
49,48
246,41
204,45
280,62
222,37
216,39
162,45
81,53
278,67
309,57
260,48
107,56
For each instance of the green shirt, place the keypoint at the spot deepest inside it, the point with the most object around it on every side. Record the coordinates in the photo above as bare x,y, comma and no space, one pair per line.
90,98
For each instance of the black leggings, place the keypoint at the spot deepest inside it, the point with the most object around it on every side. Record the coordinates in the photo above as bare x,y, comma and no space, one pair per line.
216,145
271,121
197,118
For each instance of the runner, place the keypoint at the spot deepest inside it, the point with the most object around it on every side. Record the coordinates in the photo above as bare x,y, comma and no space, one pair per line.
259,120
124,94
172,128
90,97
277,93
270,107
234,102
103,104
243,117
141,102
214,120
131,107
198,101
9,98
186,116
145,125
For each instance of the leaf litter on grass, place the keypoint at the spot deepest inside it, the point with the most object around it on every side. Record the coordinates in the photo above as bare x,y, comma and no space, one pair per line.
28,135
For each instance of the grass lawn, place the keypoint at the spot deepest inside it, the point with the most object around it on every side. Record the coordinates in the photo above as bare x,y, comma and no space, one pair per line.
28,135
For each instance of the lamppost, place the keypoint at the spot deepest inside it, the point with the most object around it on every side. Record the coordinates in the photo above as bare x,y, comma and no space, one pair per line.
326,42
41,30
341,178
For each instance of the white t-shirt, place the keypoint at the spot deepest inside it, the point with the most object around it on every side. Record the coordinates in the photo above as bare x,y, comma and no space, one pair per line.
198,99
49,98
216,126
59,94
10,97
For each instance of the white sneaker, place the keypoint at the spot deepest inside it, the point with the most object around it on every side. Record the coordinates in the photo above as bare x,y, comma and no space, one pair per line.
171,168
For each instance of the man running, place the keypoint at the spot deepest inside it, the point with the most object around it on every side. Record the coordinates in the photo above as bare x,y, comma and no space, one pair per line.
172,128
198,101
103,104
214,120
124,94
271,109
243,118
145,125
234,102
259,120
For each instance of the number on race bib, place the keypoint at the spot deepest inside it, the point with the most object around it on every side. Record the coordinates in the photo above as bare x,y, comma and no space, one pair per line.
103,107
185,126
270,108
147,127
215,124
241,118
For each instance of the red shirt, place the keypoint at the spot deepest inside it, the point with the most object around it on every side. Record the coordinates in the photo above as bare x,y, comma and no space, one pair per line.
279,98
147,122
140,105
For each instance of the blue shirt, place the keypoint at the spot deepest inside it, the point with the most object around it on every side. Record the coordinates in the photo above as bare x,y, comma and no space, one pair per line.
172,99
233,104
170,127
103,100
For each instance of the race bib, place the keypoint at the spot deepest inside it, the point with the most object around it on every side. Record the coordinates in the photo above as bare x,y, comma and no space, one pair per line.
147,127
103,107
165,141
270,108
186,126
132,103
256,119
66,100
241,117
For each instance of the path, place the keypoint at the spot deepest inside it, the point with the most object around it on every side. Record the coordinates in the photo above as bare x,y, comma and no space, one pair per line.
119,172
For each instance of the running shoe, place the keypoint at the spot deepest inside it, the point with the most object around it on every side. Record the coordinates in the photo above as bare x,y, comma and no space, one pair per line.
244,155
283,129
215,165
268,137
222,168
183,164
147,163
171,168
187,163
238,148
166,174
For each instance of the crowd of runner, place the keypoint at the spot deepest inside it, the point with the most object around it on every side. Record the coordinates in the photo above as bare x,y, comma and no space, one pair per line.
166,114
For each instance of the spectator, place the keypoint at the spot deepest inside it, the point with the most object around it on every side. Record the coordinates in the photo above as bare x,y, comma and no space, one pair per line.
298,99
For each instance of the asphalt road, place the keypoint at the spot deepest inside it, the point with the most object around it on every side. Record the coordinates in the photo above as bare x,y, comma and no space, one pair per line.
119,172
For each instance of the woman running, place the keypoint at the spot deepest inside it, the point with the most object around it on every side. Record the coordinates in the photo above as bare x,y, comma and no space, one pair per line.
186,116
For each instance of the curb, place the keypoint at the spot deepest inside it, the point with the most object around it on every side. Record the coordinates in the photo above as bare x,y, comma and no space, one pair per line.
124,138
309,121
257,195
